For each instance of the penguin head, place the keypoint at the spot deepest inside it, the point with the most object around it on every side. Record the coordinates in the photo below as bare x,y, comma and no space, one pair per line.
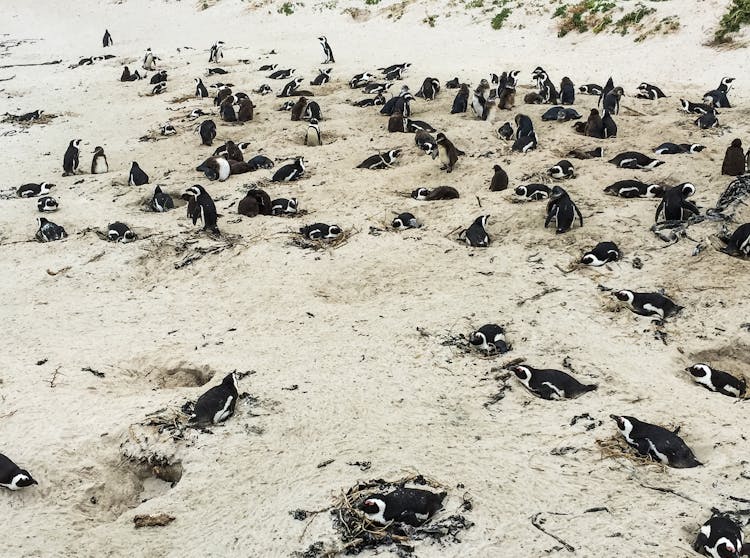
624,424
322,39
520,191
478,338
598,152
333,231
523,373
47,203
737,142
685,105
588,259
699,370
497,168
624,296
41,221
374,508
129,236
398,224
194,191
22,479
113,235
313,122
482,220
76,143
292,205
420,194
557,192
230,380
725,549
687,189
697,148
654,190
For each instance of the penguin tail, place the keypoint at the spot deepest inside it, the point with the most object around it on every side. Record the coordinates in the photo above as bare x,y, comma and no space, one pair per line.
590,387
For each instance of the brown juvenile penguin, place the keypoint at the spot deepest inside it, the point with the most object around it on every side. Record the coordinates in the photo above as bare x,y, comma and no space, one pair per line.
233,152
499,179
396,123
533,98
447,152
594,125
256,202
240,167
734,159
125,74
245,113
507,99
298,109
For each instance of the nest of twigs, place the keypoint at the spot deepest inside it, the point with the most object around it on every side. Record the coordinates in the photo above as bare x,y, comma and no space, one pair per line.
16,119
358,533
615,447
307,244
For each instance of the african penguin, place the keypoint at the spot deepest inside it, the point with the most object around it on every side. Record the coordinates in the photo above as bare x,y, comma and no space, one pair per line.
216,52
99,161
32,190
734,159
656,442
290,172
405,221
120,232
200,89
282,74
261,162
381,160
201,206
669,148
550,383
648,304
46,204
137,177
327,51
563,169
717,380
499,180
207,131
490,339
635,160
12,476
49,231
412,506
107,39
533,192
739,242
70,160
505,131
634,189
476,235
312,137
601,254
439,193
720,537
215,168
447,152
324,76
562,209
648,91
160,201
320,231
674,204
590,89
217,404
283,206
255,202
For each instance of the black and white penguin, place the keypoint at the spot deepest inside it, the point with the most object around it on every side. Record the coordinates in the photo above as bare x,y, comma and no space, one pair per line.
168,129
490,339
282,74
476,235
590,89
218,403
405,221
227,112
70,160
360,80
207,130
159,88
452,83
461,101
675,205
378,100
609,86
634,189
739,242
149,61
32,190
312,136
290,172
220,71
479,102
268,67
137,177
215,168
656,442
601,254
525,135
290,87
499,180
320,231
260,162
312,110
120,232
439,193
648,91
381,160
562,209
324,76
200,89
426,143
403,66
595,153
634,160
99,162
609,127
107,39
216,52
717,380
412,506
696,108
374,88
158,77
560,114
648,304
734,159
567,91
161,201
563,169
447,152
47,204
706,121
197,113
549,383
201,206
49,231
327,51
283,206
533,192
264,89
255,202
718,97
12,476
429,90
669,148
720,537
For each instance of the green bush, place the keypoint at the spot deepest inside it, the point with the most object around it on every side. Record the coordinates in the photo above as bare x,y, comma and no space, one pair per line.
499,19
737,15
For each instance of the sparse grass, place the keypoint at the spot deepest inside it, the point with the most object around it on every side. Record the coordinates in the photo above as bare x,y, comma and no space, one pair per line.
430,20
474,4
598,16
632,19
499,19
737,15
372,2
287,8
583,16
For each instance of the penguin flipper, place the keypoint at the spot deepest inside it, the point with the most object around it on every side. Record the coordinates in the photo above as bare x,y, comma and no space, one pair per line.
658,210
578,211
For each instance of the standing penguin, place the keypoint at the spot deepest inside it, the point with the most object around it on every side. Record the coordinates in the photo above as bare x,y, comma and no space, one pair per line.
99,162
207,130
200,89
107,39
245,112
218,403
12,476
499,179
201,206
734,159
327,51
137,177
149,60
312,138
70,160
216,52
562,209
461,101
567,91
447,152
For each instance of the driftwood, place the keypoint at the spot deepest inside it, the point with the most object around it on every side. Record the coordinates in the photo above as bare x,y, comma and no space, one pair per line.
536,522
159,520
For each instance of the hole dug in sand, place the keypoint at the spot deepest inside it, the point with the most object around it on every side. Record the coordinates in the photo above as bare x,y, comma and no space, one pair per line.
170,374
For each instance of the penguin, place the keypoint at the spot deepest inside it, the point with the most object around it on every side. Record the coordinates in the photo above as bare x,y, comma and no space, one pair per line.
533,192
720,537
634,189
70,160
595,153
216,52
461,101
549,383
656,442
648,304
734,159
207,130
359,80
560,114
99,161
264,89
439,193
403,66
46,204
412,506
158,77
261,162
524,126
717,380
479,103
532,98
255,202
312,137
220,71
312,110
430,88
283,206
602,253
739,242
609,86
324,76
706,121
149,61
168,130
476,235
268,67
426,143
218,403
197,113
374,88
499,179
562,209
669,148
201,206
380,160
227,112
159,88
33,190
396,123
137,177
49,231
200,89
696,108
240,167
405,221
506,100
282,74
290,172
160,201
394,75
590,89
490,339
290,87
215,168
414,126
505,132
594,126
120,232
675,206
378,100
233,152
648,91
567,91
634,160
107,39
610,128
563,169
327,51
299,108
287,106
320,231
611,101
447,152
718,97
12,476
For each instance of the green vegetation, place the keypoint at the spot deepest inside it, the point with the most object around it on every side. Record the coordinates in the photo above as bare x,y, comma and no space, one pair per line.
372,2
597,16
475,4
430,20
499,19
583,16
632,19
737,15
287,8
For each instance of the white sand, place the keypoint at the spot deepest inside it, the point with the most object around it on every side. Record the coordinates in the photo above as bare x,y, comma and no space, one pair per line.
342,324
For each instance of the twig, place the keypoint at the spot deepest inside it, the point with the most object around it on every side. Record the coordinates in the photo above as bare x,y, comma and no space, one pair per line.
37,64
538,525
8,79
667,491
537,296
479,202
53,379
